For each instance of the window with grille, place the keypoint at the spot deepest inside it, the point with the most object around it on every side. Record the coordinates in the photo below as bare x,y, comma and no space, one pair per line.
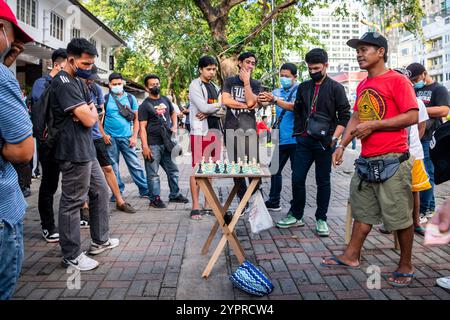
56,26
27,12
76,33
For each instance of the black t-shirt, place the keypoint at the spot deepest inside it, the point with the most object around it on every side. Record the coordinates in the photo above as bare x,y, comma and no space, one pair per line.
153,111
75,140
235,87
213,97
433,95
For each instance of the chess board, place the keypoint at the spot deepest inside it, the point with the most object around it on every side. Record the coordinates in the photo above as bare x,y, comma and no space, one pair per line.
229,170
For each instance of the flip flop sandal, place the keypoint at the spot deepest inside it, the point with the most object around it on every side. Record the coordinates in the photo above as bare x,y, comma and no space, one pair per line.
196,215
420,230
339,264
397,275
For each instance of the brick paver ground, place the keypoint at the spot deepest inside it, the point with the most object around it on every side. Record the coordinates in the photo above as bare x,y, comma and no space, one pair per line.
159,253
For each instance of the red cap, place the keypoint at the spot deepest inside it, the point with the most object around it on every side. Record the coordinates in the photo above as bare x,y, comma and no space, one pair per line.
8,15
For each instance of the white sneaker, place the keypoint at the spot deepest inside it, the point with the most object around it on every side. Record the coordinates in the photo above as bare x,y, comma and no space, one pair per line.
444,282
82,263
99,248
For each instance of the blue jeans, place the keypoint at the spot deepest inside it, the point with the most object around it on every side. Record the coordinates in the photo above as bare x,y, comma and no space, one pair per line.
286,152
427,196
310,150
11,257
161,157
122,145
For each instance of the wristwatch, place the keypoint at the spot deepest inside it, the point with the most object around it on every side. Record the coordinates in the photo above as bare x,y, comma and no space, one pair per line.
334,139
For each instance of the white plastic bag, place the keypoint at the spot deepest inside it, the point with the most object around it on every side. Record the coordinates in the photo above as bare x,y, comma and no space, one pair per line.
259,216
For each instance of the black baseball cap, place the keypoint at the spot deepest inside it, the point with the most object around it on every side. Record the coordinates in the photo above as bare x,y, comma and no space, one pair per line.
371,38
415,69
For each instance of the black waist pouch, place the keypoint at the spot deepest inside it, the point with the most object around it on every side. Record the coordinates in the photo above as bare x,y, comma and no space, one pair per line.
378,171
318,125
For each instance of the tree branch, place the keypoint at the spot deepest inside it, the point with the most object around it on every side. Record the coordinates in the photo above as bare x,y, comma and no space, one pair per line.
207,9
257,29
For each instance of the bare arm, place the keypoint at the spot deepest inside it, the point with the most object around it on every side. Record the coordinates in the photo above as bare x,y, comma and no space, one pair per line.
422,126
21,152
438,111
339,130
231,103
146,152
87,114
354,121
174,119
135,125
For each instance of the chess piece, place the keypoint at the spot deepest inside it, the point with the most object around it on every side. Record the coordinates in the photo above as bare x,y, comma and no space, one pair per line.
241,169
217,167
200,171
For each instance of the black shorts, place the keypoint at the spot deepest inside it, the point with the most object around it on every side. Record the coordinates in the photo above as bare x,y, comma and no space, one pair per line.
102,153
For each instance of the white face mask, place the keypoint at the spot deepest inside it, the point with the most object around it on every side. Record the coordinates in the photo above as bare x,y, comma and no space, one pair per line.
8,47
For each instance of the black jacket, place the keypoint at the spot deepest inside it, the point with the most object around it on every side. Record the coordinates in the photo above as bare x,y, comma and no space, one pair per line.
332,101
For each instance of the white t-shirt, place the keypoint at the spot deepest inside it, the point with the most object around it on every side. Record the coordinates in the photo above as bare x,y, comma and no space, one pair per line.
415,147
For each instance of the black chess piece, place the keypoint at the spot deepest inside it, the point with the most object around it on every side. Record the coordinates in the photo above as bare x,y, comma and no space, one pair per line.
225,169
240,170
200,171
217,168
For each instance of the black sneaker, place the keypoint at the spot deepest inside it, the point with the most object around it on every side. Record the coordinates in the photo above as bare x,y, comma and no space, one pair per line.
157,203
272,207
50,236
179,199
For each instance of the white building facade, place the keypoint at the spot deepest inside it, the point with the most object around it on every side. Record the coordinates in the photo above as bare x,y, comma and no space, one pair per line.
52,24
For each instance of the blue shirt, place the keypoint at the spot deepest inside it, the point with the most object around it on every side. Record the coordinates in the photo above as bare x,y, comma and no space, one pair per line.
97,97
39,87
287,124
115,125
15,127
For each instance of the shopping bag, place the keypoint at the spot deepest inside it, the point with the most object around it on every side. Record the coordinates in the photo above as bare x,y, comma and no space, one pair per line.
250,279
259,216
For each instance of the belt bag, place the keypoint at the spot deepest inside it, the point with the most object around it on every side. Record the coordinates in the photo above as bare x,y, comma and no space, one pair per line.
378,171
318,125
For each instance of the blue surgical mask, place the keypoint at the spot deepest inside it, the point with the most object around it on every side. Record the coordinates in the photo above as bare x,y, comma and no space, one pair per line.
286,82
419,85
117,89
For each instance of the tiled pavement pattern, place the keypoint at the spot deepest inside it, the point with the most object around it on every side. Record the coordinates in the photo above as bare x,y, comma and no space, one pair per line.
159,253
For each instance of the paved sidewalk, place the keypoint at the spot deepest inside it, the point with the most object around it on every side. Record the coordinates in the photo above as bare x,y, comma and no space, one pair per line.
159,253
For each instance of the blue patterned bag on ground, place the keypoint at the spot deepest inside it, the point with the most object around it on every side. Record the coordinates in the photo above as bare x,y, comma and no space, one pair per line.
251,280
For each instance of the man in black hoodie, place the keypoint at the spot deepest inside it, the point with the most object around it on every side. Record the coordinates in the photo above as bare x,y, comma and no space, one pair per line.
321,113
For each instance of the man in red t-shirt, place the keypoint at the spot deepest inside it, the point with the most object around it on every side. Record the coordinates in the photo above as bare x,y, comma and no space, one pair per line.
385,106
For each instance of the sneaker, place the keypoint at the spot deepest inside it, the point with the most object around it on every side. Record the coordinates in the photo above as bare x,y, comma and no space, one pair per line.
82,263
272,207
125,207
443,282
157,203
290,221
322,228
429,214
26,192
99,248
422,218
84,224
50,236
179,199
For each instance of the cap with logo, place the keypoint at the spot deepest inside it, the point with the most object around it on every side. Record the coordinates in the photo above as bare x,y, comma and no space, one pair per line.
8,15
372,38
415,69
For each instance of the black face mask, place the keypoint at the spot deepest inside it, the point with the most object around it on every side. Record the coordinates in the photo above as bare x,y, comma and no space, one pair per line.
155,90
316,76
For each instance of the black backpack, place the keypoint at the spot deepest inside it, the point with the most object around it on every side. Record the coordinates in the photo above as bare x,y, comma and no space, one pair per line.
440,153
43,120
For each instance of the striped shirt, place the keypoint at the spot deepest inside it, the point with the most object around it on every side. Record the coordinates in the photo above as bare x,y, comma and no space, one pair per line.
15,126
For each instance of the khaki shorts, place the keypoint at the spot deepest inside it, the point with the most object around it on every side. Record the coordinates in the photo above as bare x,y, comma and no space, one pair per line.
390,202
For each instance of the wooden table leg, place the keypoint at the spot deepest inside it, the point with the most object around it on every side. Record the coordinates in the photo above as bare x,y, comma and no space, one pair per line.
228,230
216,224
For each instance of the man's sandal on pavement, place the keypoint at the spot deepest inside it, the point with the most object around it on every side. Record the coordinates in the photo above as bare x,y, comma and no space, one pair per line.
338,264
397,275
